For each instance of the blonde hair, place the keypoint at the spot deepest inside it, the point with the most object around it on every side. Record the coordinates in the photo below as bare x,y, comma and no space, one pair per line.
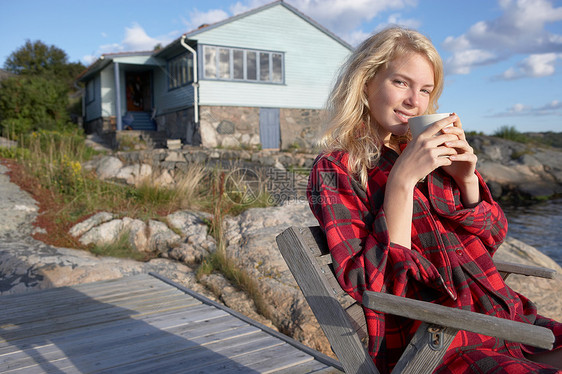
349,122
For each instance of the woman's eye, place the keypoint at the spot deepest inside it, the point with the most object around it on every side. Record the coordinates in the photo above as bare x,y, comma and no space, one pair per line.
427,92
399,82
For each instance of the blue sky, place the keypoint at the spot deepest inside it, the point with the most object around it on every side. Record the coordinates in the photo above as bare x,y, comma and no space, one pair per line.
503,58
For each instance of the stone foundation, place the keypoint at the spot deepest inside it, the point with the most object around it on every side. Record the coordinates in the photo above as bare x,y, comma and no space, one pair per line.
179,125
229,127
239,127
300,128
105,128
101,125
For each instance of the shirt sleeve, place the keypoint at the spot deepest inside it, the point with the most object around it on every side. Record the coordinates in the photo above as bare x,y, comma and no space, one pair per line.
357,236
486,220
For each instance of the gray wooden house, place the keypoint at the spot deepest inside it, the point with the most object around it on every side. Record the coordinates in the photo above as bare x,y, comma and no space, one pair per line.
260,78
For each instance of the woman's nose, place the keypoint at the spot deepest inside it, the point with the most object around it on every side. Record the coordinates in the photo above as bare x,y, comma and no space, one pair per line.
412,99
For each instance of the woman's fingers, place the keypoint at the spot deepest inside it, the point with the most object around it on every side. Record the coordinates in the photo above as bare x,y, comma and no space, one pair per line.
459,144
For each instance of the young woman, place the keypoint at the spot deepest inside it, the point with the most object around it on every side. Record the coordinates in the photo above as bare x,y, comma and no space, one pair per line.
413,217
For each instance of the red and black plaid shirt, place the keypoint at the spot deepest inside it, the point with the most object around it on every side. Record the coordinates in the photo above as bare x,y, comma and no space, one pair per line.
450,262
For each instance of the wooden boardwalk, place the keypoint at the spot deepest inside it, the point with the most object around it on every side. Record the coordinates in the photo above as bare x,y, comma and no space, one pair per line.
141,324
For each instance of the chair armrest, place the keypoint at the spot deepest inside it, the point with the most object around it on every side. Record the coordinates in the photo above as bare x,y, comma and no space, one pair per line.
460,319
513,268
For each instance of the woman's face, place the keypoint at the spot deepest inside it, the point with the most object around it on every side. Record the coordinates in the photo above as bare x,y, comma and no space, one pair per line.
399,92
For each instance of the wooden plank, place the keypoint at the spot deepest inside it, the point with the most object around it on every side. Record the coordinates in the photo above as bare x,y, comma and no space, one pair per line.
264,360
47,309
308,367
317,355
146,332
66,296
193,321
140,281
460,319
419,357
101,314
357,318
296,246
195,356
270,360
124,331
535,271
315,241
121,348
90,318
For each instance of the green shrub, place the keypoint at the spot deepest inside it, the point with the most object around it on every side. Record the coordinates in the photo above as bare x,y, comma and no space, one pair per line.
31,103
511,133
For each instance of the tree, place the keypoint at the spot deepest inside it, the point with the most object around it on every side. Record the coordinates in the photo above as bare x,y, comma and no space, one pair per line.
32,103
38,59
37,97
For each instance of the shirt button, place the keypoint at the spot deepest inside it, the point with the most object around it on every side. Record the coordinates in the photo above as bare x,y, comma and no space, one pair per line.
459,252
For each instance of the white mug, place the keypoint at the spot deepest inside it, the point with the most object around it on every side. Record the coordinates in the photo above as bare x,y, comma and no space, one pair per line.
420,123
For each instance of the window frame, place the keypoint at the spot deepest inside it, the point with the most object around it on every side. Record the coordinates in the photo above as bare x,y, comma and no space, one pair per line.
180,76
91,90
257,62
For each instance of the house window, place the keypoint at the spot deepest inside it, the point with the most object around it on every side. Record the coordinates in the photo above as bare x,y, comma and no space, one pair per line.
90,91
251,66
180,71
237,64
242,64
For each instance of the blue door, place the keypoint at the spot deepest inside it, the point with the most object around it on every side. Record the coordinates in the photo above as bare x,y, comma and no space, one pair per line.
269,128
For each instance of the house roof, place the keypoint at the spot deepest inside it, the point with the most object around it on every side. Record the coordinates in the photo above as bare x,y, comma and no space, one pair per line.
205,28
108,58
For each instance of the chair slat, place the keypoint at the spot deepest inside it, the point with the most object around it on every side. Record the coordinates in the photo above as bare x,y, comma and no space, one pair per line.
535,271
299,253
306,252
357,317
461,319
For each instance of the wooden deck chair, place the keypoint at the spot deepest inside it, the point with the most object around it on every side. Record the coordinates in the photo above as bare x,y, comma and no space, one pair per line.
343,321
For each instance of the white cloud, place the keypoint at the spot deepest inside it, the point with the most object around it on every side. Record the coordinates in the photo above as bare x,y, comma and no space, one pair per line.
241,7
344,17
552,108
521,29
534,66
135,40
462,61
356,37
396,19
198,18
89,59
539,65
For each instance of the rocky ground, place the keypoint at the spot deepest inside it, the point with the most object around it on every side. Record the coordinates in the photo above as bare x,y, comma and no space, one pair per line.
27,264
518,170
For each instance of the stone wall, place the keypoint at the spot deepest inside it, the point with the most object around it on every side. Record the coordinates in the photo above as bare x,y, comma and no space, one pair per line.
235,127
104,128
229,127
179,125
101,125
300,128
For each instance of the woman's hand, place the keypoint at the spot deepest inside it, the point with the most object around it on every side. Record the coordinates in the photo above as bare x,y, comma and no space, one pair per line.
463,166
426,152
464,161
422,155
